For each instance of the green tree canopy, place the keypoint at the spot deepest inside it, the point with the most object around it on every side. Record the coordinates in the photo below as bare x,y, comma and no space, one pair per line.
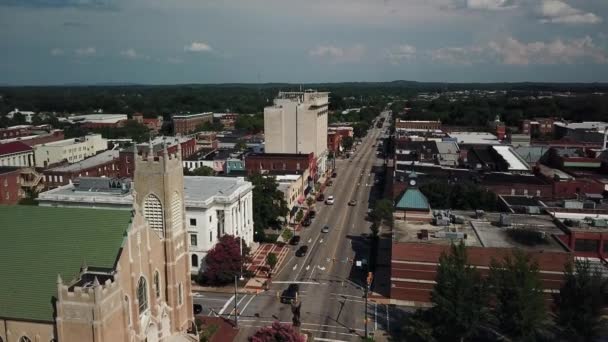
268,204
348,142
520,309
460,297
580,302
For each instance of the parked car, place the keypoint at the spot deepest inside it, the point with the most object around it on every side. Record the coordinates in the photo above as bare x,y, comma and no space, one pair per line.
312,214
307,222
329,200
334,175
321,198
290,294
352,203
325,229
295,240
302,251
197,309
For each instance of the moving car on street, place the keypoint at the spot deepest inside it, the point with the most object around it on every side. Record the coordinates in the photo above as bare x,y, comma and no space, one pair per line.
325,229
295,240
290,294
329,200
352,202
302,251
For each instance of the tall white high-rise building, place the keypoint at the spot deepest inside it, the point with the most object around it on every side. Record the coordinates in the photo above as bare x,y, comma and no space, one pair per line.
297,123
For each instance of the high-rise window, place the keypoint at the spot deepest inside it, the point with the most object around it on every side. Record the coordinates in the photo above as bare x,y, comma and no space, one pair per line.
193,240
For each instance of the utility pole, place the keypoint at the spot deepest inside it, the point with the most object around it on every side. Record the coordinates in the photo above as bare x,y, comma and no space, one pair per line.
368,282
236,315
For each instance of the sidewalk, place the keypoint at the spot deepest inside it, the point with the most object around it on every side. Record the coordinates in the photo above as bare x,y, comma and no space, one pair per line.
258,264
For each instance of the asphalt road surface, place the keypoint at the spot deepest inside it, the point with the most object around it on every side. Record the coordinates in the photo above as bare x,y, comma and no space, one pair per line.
330,280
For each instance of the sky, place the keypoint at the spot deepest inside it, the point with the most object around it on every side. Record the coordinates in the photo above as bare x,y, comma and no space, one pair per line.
47,42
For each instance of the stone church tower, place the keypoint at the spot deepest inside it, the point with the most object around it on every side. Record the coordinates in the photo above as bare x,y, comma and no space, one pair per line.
147,296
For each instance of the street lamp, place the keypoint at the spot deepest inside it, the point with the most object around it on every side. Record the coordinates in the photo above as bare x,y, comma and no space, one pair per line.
236,286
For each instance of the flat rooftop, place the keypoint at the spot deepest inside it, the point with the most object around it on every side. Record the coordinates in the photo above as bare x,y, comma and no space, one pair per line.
475,138
482,232
515,162
102,158
198,190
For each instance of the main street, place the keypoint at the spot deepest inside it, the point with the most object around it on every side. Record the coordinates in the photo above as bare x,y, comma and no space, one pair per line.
331,283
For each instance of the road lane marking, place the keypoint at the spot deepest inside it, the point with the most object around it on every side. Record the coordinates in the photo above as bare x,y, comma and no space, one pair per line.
290,322
296,282
295,266
375,316
327,339
226,305
245,307
307,256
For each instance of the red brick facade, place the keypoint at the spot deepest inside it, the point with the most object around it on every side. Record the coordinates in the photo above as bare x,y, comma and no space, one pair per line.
334,140
542,126
127,164
414,267
54,179
14,132
10,189
405,124
186,124
280,162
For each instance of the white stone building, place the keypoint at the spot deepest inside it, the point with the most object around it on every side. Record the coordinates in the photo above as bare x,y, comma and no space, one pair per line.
27,115
70,150
215,206
297,123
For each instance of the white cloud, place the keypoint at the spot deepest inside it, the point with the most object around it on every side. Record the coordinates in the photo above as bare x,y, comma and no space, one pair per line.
338,54
57,52
198,47
559,12
399,53
86,51
511,51
489,4
129,53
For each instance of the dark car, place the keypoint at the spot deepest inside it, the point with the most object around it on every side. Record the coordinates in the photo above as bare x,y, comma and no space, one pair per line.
321,198
307,222
334,175
197,308
302,251
295,240
290,294
312,214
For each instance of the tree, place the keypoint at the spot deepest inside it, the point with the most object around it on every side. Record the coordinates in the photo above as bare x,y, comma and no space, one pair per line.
299,215
383,213
268,204
213,126
520,309
277,332
347,143
224,261
201,171
460,297
240,145
271,261
309,202
580,302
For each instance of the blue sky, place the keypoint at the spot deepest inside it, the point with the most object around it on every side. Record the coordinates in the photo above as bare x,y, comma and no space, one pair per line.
218,41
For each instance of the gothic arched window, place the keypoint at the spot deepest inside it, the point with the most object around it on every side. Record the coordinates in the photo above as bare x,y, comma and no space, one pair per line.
142,294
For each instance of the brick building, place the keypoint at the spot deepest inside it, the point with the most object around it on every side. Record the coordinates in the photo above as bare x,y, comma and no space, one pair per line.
187,123
418,124
15,131
207,140
414,268
269,163
153,124
105,164
344,131
538,126
38,139
334,142
126,165
15,182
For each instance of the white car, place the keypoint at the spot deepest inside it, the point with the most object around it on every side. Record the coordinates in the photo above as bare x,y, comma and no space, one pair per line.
329,200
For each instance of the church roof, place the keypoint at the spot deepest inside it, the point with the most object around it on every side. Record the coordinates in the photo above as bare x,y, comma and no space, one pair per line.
38,243
413,199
